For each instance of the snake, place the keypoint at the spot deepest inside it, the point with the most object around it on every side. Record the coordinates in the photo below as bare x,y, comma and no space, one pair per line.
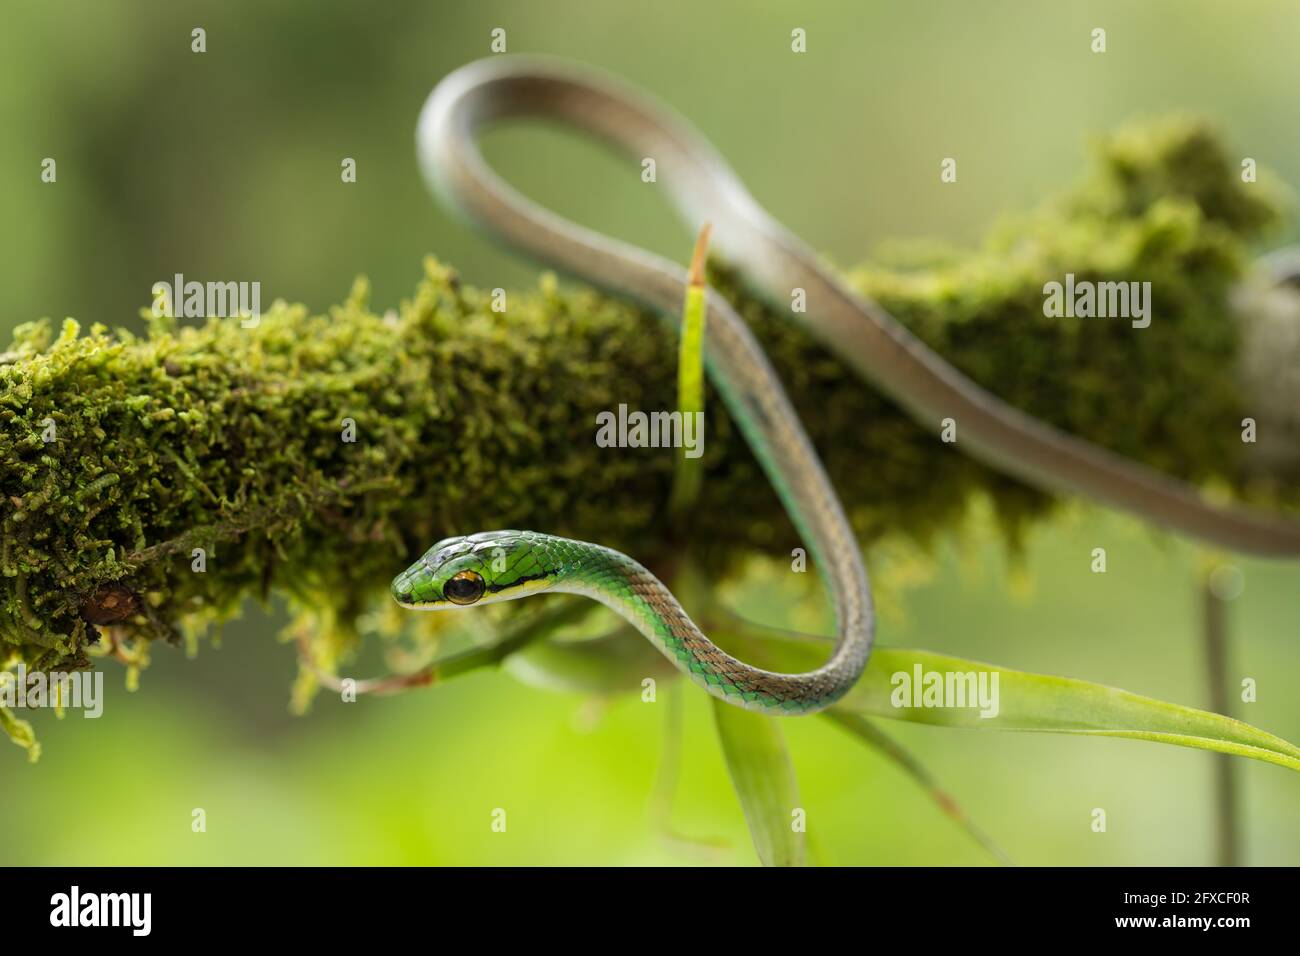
772,262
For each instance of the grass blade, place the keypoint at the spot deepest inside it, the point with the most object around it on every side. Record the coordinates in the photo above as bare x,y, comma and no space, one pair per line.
1044,703
764,779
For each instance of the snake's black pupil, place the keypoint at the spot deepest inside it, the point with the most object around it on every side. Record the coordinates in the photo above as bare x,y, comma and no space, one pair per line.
464,588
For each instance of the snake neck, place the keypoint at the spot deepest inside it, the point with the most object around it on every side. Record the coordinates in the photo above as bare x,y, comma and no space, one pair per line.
634,593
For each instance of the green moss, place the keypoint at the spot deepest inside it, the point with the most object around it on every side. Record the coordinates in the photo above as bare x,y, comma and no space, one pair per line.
230,439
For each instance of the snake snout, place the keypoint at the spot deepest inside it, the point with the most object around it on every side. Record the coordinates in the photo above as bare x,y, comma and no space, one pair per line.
402,591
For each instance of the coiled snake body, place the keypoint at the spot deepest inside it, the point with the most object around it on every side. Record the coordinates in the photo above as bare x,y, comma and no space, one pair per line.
509,564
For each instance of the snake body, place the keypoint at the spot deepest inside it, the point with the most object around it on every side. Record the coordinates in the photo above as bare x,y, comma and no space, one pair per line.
502,565
774,262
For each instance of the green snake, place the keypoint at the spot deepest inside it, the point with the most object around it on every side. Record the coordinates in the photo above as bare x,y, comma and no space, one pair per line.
501,565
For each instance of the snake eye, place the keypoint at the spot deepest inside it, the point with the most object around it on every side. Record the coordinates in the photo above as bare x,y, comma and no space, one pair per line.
464,588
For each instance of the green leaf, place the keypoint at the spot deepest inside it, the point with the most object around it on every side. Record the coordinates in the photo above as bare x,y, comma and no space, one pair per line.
1026,701
764,779
1041,702
688,474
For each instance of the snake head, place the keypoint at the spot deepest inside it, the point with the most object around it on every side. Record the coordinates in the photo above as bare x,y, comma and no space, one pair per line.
475,569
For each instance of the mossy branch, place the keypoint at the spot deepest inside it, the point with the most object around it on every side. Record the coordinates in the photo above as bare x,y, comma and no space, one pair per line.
232,440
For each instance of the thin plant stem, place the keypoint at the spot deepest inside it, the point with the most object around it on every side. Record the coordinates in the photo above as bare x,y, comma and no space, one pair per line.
665,788
1214,634
873,736
518,636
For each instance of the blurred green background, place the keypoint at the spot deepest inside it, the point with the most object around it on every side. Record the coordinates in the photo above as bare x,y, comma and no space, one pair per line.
226,165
